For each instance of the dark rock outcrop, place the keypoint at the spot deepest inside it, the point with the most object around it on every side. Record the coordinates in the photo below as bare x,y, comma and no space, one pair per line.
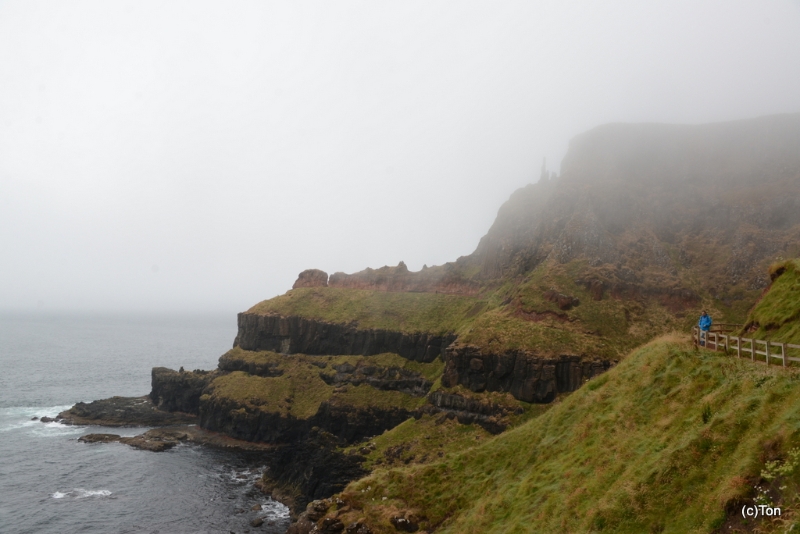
318,518
123,411
99,438
313,467
294,334
489,415
160,439
179,391
343,421
229,362
384,378
311,278
527,377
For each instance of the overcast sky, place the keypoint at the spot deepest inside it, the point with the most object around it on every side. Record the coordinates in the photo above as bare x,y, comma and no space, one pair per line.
198,155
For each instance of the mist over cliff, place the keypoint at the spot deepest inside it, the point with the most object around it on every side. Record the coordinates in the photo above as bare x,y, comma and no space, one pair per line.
640,200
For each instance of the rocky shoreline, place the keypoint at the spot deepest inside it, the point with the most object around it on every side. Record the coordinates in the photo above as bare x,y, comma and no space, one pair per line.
250,403
123,411
165,438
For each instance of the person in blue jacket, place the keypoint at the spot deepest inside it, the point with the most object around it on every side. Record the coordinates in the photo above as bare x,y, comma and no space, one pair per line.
705,325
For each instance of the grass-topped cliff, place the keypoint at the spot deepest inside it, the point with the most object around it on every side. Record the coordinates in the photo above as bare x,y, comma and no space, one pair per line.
370,309
520,313
671,440
295,386
517,313
776,316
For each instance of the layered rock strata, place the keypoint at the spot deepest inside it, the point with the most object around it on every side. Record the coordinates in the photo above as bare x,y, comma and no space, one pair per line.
179,391
290,335
383,378
229,362
344,421
489,415
527,377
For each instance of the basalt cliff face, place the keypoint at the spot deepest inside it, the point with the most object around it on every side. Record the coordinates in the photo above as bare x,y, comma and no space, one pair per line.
527,377
294,334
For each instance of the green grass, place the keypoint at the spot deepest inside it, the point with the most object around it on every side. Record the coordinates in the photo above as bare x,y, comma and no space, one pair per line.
404,312
663,442
777,314
494,323
300,390
419,441
364,395
431,371
606,328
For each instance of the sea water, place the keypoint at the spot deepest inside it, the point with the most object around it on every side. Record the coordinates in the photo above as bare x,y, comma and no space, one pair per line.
52,483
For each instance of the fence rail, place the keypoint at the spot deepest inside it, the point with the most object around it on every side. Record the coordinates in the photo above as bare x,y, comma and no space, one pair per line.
721,339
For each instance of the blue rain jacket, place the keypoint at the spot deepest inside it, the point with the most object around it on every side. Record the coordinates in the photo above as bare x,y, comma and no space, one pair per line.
705,322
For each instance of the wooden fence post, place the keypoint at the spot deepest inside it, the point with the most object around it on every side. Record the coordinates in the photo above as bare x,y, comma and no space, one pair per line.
783,352
767,351
738,347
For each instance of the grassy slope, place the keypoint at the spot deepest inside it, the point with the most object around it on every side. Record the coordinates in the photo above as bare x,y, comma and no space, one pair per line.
630,452
778,312
513,316
431,437
299,390
420,441
406,312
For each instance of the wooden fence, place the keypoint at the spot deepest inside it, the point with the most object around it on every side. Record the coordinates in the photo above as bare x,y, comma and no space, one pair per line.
721,338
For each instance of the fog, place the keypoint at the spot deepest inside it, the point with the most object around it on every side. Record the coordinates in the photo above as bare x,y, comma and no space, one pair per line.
195,156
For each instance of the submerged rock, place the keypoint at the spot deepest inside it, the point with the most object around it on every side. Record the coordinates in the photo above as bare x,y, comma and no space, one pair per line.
99,438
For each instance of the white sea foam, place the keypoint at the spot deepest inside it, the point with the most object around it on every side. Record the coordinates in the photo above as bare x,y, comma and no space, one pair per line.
80,493
20,417
275,510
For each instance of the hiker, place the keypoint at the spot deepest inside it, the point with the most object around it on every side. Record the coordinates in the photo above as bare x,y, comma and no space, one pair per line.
705,325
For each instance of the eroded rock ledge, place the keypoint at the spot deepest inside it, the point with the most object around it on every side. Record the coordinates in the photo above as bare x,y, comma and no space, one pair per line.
292,334
489,415
123,411
179,391
526,376
383,378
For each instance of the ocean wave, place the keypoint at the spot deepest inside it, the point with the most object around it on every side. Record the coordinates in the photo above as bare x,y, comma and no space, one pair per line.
21,416
275,511
80,493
